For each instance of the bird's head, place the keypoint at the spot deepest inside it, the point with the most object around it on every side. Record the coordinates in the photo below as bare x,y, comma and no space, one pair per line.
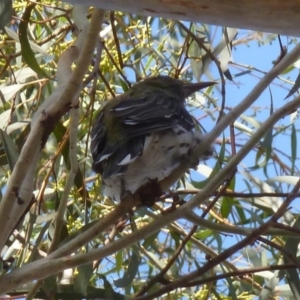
170,85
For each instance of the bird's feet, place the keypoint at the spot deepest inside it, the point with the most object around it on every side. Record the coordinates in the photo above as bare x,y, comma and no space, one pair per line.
149,193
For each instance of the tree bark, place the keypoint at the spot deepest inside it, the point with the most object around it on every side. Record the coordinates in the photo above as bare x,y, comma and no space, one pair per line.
276,16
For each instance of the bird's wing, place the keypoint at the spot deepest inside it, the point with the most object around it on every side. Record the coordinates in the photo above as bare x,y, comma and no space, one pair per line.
112,158
151,113
138,119
98,143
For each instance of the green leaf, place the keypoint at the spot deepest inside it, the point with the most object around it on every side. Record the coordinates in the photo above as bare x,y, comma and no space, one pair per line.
119,261
131,271
123,84
5,12
227,202
295,87
83,278
27,53
224,49
291,246
9,148
150,240
293,148
268,139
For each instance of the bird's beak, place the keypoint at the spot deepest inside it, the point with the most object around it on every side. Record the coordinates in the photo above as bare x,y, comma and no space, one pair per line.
191,88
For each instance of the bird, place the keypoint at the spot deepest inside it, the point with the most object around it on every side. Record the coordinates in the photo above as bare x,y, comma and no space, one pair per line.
144,134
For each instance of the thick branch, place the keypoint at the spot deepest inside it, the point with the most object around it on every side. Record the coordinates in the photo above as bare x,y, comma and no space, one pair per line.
275,16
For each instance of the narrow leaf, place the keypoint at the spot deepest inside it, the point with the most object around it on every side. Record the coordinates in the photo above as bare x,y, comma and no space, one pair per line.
228,202
5,12
10,149
291,246
83,278
131,271
27,53
295,87
293,148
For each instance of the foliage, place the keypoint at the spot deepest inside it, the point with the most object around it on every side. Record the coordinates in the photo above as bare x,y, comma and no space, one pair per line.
238,238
